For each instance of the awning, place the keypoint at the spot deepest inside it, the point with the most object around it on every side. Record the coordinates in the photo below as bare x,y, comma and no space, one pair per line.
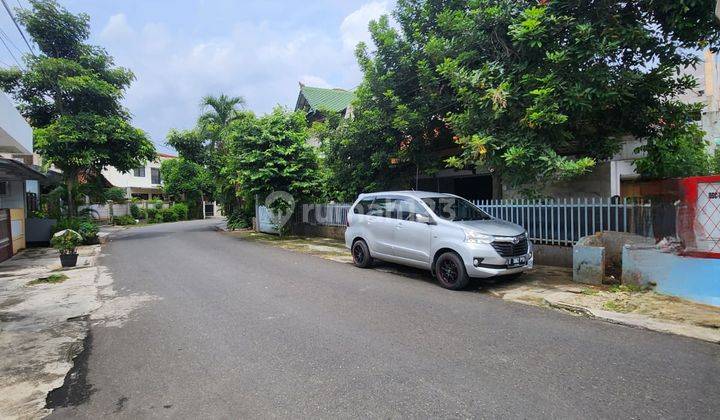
12,170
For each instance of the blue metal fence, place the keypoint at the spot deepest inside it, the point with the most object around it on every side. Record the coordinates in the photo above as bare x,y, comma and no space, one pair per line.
564,221
560,221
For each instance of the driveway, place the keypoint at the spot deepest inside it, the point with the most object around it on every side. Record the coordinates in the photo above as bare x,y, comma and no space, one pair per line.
240,329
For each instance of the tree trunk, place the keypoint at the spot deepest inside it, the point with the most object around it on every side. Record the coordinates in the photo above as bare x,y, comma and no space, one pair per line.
497,185
71,180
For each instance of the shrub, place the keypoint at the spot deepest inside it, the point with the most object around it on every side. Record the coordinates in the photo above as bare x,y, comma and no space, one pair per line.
115,194
181,210
158,204
125,220
158,218
86,227
66,241
168,215
89,232
135,210
67,223
151,213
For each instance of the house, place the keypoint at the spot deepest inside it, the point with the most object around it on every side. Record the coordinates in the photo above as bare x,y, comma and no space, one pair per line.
314,101
19,182
625,181
143,182
613,177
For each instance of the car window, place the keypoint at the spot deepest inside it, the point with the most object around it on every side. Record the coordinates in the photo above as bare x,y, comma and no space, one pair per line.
455,209
382,207
407,209
363,206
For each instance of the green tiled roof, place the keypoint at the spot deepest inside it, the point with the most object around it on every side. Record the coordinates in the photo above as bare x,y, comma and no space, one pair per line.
327,99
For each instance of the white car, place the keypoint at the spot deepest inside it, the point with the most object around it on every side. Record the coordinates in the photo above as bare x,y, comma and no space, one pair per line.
443,233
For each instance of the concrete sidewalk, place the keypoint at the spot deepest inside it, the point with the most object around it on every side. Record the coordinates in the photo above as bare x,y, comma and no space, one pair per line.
42,326
45,315
550,287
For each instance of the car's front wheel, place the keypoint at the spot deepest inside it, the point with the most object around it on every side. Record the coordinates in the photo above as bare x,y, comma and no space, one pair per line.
450,271
361,254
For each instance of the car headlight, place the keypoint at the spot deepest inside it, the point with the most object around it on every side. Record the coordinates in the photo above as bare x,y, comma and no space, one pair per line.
477,237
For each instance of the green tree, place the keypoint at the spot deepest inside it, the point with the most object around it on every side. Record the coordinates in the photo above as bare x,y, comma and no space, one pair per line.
676,149
533,90
218,113
190,144
204,144
71,94
361,155
187,181
269,154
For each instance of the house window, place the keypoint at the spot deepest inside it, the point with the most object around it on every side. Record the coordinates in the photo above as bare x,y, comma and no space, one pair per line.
4,187
155,175
139,172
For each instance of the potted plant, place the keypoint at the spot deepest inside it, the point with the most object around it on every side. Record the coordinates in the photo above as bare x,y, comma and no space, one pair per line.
66,241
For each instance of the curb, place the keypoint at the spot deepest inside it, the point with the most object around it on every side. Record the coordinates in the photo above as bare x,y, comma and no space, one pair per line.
641,321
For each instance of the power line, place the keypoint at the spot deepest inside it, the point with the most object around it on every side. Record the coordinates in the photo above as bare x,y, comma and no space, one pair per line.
10,51
7,8
7,38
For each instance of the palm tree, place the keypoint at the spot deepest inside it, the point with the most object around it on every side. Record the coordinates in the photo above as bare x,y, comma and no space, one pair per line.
218,113
221,109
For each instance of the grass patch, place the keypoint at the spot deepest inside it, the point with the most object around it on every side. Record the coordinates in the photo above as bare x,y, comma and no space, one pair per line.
630,288
590,292
51,279
616,306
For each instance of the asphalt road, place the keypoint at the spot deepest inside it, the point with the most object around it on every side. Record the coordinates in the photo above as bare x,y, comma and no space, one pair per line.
243,330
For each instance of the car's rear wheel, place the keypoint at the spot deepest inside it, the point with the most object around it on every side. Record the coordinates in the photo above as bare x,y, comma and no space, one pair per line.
450,271
361,254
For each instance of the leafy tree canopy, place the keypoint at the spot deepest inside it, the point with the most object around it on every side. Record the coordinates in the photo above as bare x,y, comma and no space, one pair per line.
534,90
71,94
187,181
270,153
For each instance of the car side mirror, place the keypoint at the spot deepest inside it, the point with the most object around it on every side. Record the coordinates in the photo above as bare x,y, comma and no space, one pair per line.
424,218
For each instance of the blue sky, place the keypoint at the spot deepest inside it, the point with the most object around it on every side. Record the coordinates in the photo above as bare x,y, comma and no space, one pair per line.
182,50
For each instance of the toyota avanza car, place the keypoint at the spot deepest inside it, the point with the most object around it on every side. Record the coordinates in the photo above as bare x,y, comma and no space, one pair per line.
443,233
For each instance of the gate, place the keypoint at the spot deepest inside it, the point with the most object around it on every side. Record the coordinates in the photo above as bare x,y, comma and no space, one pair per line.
264,221
6,249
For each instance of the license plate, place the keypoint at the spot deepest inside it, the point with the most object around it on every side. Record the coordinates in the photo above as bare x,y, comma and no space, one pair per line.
516,261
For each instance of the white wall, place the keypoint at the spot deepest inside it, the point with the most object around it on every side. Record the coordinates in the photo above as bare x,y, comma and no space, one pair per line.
15,132
128,180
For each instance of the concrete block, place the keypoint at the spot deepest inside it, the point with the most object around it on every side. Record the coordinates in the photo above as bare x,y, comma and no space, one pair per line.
691,278
588,264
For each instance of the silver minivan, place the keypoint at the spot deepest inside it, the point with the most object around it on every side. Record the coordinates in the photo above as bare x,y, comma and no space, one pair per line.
443,233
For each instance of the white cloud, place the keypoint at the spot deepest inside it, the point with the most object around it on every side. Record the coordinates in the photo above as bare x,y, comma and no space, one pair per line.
257,60
117,29
354,28
315,81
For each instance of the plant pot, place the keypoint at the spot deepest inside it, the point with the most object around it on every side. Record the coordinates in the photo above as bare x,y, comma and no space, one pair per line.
69,260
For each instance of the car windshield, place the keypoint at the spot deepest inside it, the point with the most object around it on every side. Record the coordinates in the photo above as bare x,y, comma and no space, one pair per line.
455,209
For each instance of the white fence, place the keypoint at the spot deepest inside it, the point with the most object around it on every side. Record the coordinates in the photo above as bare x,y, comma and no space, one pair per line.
102,211
324,214
564,221
548,221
